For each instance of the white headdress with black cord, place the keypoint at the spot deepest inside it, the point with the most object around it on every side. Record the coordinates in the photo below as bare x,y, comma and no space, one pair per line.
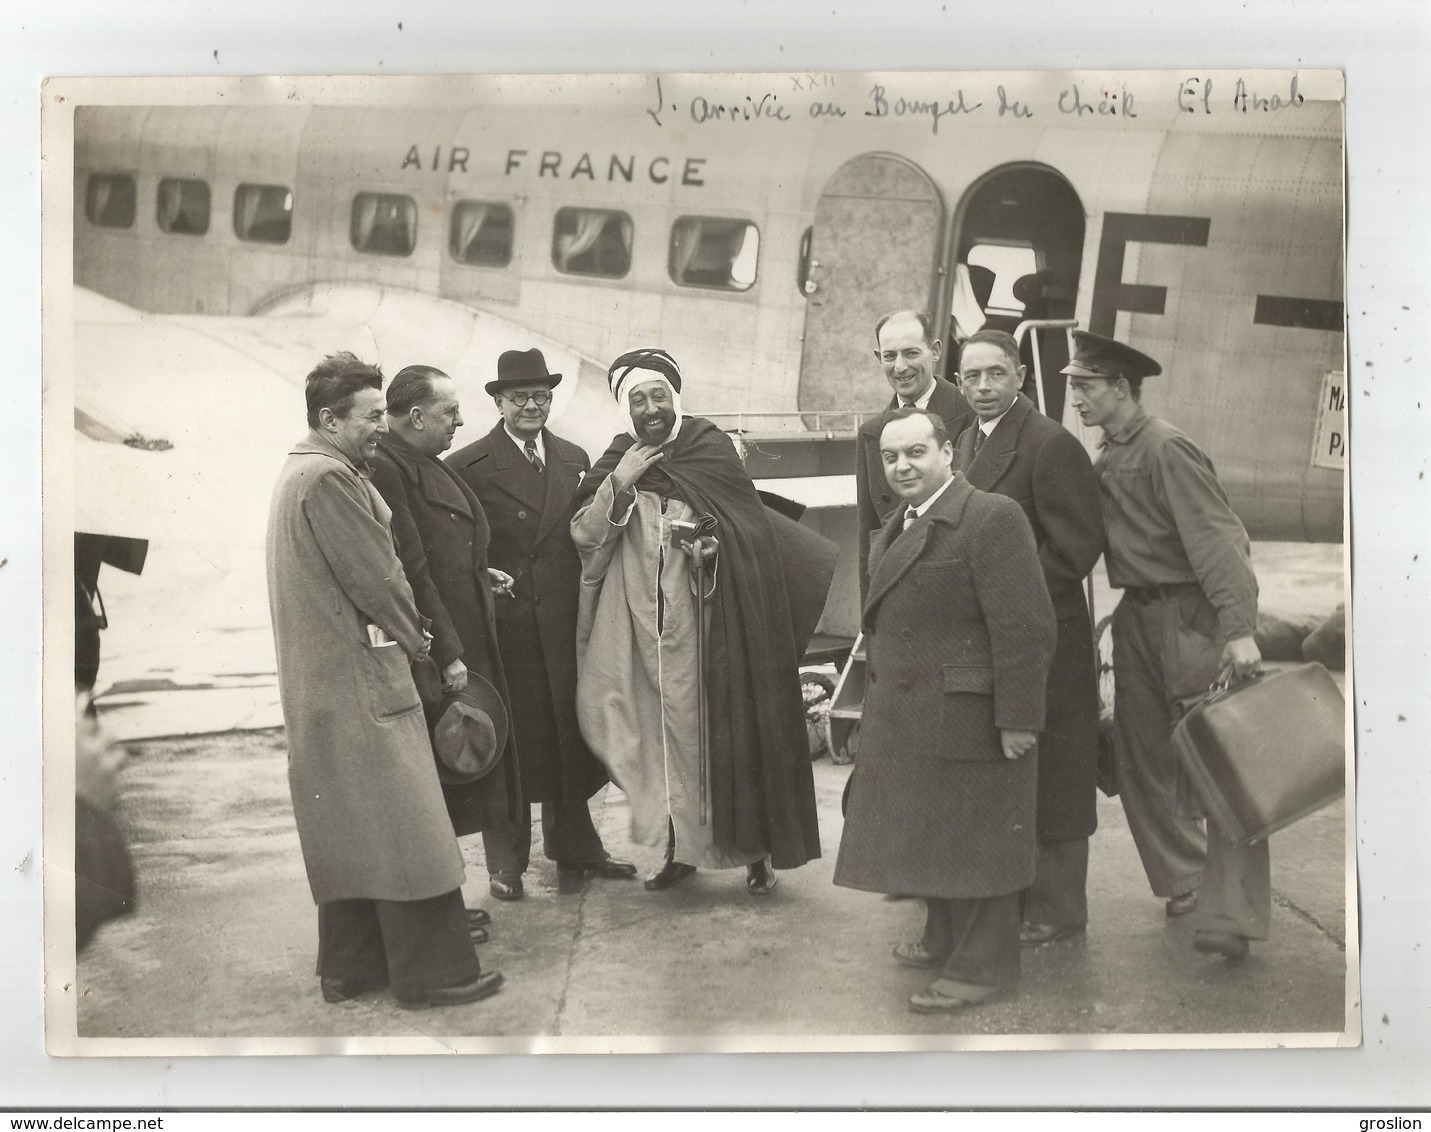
637,366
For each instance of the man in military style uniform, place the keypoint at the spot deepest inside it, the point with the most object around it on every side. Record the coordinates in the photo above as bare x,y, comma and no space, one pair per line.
1188,612
908,353
1015,450
526,477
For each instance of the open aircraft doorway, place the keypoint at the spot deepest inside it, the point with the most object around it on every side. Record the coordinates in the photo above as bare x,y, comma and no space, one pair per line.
1016,251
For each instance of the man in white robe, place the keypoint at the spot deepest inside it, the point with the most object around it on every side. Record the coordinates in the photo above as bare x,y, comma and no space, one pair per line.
638,677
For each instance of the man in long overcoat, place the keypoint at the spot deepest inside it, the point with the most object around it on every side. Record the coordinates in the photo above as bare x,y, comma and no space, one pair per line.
959,632
1015,450
382,862
526,478
442,535
908,355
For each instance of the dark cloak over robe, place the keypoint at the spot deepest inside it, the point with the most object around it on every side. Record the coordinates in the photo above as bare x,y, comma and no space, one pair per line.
762,791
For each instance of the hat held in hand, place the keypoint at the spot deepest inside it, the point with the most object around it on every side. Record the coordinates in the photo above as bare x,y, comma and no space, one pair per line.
470,733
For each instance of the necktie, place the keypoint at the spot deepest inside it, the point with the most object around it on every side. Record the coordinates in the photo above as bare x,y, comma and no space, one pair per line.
531,450
979,438
909,517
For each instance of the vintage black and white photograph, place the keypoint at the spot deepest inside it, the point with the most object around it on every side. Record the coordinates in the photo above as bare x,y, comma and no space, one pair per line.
712,562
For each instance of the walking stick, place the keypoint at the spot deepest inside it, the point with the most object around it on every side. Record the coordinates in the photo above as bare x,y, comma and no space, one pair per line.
690,536
703,747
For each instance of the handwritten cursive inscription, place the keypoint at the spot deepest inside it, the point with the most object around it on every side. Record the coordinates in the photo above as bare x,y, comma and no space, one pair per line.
882,107
1193,94
703,110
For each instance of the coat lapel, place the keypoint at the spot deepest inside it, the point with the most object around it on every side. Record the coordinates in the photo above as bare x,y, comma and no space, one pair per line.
440,488
948,404
513,472
896,550
430,476
996,455
561,484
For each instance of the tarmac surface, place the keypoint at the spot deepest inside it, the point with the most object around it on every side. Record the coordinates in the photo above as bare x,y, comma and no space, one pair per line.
223,944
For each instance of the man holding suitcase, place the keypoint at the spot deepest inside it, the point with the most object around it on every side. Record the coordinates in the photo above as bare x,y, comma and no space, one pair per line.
1188,612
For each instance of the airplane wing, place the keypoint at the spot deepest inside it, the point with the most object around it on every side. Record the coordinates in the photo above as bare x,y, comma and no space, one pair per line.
182,423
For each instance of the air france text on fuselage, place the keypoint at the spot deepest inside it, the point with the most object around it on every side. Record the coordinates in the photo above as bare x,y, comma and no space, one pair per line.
615,167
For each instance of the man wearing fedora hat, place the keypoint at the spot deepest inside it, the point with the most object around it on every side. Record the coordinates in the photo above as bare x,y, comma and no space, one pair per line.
383,865
442,537
1188,613
526,478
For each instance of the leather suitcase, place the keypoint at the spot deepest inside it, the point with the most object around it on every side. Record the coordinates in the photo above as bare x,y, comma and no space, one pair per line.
1267,751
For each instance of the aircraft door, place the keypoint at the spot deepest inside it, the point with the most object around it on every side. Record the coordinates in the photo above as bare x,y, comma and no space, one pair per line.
875,247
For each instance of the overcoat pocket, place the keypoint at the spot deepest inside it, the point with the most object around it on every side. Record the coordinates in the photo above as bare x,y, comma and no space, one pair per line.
968,731
391,691
969,678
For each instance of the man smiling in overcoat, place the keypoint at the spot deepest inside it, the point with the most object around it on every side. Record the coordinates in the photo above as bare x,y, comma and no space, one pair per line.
527,477
959,631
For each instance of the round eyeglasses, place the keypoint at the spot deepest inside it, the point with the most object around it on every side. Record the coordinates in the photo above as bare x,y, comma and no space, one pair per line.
520,399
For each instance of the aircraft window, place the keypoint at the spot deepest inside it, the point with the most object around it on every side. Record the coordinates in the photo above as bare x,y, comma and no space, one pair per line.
592,241
481,233
996,268
109,200
263,213
711,252
182,207
384,224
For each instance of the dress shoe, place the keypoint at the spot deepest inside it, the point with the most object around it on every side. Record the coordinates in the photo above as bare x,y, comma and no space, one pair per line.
1221,943
932,1000
507,888
470,991
1036,935
608,867
914,955
340,988
477,935
1181,905
760,878
672,872
478,917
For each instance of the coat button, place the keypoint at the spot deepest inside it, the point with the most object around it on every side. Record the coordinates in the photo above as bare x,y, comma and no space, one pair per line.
521,514
537,600
871,677
907,634
904,685
453,518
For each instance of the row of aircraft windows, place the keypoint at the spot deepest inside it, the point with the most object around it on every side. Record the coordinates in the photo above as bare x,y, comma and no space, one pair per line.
705,251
